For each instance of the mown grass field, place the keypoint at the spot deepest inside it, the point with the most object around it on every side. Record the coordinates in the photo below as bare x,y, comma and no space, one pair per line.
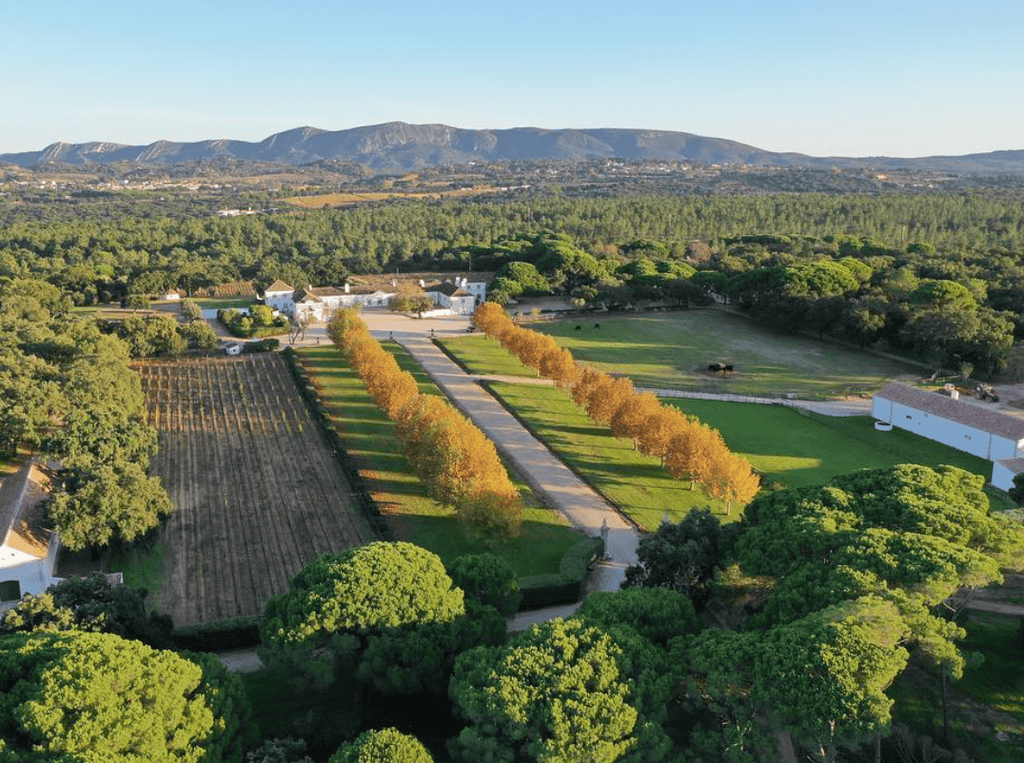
800,448
413,515
790,448
673,350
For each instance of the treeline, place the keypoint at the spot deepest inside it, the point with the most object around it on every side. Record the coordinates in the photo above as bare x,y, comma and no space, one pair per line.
454,460
104,260
686,448
68,393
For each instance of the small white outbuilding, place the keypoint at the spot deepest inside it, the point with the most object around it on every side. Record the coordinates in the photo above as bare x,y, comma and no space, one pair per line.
28,546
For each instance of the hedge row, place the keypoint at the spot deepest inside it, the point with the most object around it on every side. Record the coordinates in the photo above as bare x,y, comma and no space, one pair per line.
566,586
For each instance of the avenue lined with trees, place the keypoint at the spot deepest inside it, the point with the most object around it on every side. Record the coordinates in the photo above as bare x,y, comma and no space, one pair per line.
686,448
455,461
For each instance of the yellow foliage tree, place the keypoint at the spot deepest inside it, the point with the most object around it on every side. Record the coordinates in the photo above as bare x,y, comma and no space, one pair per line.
586,381
707,451
628,420
607,397
658,430
732,479
489,317
558,364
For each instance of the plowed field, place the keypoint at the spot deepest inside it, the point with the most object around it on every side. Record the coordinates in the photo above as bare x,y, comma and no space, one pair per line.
257,493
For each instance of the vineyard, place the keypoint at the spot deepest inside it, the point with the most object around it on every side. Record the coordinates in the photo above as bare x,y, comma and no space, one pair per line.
257,493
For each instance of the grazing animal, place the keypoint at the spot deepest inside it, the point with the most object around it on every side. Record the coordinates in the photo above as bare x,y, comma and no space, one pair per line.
578,328
597,325
727,369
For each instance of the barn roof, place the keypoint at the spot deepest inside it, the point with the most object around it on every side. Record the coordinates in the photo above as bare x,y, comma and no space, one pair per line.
447,288
279,285
23,521
1014,465
982,419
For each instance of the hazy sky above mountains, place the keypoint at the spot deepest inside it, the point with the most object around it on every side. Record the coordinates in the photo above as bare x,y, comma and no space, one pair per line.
822,77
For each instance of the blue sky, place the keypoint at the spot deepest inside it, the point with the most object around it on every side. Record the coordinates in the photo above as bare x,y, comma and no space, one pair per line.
822,77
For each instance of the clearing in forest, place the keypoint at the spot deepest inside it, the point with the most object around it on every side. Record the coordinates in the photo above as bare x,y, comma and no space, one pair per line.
257,492
673,350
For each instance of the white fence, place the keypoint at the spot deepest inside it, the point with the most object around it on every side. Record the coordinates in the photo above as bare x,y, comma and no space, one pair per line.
725,398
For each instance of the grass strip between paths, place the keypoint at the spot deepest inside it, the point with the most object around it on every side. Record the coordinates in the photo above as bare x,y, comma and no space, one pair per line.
414,516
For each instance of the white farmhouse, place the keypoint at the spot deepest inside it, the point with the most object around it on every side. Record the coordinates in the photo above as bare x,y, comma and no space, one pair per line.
987,434
319,303
279,296
454,296
28,553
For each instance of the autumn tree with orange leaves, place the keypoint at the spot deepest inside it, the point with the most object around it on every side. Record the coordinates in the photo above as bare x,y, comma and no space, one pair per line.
456,462
688,449
631,417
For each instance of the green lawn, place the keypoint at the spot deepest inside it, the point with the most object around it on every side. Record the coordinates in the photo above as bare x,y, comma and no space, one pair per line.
673,350
413,515
636,483
800,448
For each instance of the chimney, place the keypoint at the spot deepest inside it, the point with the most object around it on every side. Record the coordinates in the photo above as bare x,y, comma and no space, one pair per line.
346,287
422,285
464,282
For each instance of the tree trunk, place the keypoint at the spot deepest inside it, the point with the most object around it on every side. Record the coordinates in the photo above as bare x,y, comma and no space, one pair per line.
945,708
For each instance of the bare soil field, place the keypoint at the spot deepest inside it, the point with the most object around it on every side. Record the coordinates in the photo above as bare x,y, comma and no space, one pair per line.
257,493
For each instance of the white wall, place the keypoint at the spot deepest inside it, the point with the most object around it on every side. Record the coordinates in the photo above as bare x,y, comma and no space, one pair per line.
1002,477
33,575
959,436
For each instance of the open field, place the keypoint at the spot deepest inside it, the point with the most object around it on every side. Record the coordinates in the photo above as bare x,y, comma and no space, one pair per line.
348,199
257,493
415,517
673,349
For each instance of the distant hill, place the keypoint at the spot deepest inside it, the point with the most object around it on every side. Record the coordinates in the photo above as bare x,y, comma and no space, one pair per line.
398,147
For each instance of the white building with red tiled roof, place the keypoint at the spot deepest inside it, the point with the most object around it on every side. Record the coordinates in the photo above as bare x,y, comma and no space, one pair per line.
988,434
28,552
455,296
319,303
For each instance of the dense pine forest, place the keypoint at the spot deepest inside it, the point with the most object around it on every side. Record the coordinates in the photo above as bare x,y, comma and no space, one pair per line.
937,275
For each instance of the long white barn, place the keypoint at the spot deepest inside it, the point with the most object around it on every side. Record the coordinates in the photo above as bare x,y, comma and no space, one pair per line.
987,434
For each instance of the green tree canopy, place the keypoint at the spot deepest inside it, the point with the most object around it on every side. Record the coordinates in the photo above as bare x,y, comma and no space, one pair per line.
90,604
97,698
554,693
366,601
382,746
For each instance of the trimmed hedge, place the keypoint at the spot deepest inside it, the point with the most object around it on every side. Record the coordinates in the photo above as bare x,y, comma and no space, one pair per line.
565,587
235,633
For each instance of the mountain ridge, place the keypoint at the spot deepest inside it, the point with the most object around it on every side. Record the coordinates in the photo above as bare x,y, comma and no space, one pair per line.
399,147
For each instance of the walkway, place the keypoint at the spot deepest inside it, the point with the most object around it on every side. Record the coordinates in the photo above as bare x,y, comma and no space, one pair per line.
556,484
